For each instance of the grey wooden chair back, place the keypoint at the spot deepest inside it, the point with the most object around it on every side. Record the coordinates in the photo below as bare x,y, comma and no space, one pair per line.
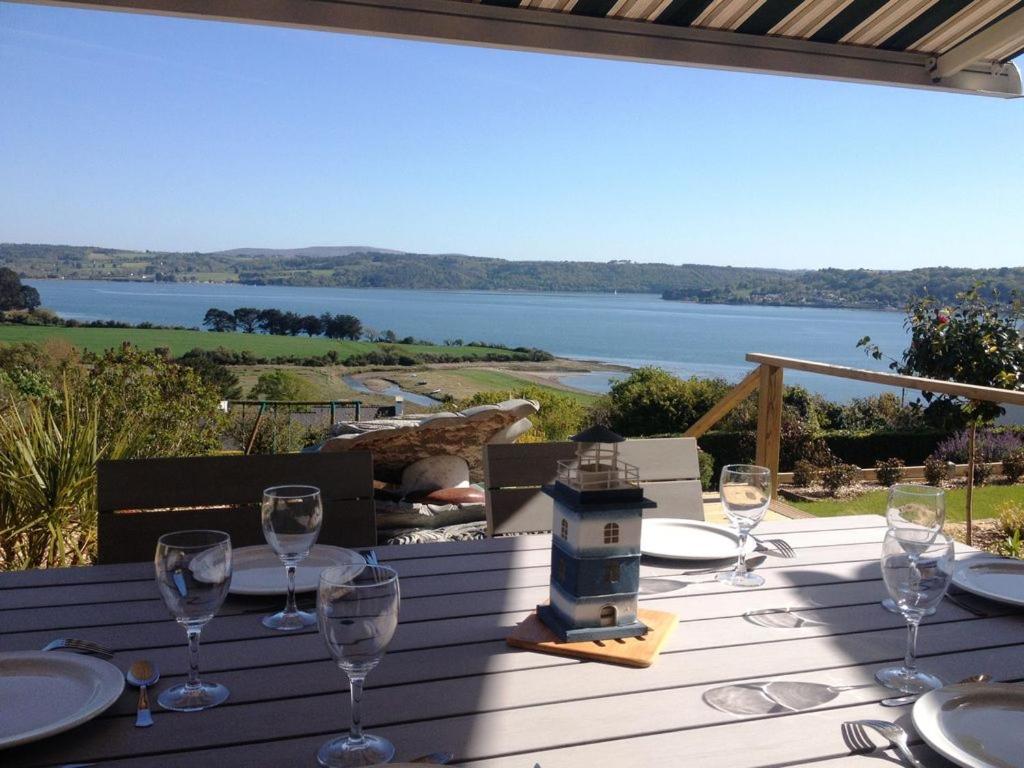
140,500
513,475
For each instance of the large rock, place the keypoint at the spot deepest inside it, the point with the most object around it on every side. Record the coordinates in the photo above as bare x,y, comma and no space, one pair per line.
400,442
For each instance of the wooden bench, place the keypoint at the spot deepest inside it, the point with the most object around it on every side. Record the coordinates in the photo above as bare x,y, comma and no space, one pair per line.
514,474
142,499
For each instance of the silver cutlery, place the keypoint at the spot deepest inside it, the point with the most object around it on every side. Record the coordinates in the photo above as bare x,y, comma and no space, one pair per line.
79,646
143,674
899,701
777,547
853,734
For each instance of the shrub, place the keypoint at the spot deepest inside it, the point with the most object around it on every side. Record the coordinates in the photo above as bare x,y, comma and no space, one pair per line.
982,473
805,473
560,416
652,401
990,445
1011,517
707,469
889,471
48,453
278,432
282,385
837,476
936,471
1013,465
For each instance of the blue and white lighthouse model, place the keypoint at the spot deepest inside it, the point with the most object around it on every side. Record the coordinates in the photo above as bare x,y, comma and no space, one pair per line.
595,551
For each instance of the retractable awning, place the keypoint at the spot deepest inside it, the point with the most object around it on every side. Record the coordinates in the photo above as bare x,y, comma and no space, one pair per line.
946,45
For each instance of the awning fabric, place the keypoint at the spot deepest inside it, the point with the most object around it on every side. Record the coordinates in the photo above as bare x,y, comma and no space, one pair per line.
951,45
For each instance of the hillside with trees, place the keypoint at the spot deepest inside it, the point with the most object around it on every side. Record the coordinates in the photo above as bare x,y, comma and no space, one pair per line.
359,267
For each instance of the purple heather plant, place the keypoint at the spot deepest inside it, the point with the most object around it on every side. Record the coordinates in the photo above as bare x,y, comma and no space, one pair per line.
990,446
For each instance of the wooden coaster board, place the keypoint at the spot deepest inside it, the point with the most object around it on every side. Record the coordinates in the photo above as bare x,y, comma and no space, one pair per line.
532,634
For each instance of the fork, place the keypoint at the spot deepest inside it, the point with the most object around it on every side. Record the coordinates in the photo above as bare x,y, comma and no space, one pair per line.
776,547
896,736
79,646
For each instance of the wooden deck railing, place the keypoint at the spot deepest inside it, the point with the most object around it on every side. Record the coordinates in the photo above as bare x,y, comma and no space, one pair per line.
767,377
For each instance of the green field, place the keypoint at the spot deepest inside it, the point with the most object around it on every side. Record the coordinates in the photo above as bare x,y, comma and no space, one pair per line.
987,500
179,342
465,382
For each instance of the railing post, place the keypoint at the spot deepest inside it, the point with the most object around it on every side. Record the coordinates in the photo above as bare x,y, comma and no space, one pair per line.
769,420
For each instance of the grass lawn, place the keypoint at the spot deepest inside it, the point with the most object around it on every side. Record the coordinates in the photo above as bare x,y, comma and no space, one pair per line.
179,342
461,383
987,500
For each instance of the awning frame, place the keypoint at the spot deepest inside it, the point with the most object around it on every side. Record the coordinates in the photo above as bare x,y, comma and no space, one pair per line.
533,30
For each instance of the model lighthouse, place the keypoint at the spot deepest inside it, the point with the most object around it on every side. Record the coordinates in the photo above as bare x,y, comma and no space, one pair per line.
595,551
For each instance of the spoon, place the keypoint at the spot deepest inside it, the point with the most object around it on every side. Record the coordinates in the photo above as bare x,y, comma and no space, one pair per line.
142,674
899,701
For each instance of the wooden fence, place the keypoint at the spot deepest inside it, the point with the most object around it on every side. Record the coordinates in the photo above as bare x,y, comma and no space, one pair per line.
767,379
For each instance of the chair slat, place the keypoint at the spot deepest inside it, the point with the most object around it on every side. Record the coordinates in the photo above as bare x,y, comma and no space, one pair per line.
198,481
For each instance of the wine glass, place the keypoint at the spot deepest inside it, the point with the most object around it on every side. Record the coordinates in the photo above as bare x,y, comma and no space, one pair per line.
357,612
746,490
193,573
916,507
917,572
292,515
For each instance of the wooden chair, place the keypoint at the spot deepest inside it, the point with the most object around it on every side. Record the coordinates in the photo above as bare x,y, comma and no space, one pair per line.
514,473
140,500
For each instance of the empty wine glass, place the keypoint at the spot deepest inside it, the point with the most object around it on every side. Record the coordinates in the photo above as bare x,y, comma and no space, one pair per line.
193,573
746,490
920,507
917,572
357,612
292,515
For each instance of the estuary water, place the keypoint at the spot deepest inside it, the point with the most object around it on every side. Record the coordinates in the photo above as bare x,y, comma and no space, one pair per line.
626,329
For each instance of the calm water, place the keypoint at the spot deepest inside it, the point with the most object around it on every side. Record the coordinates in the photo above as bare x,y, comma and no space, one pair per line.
633,330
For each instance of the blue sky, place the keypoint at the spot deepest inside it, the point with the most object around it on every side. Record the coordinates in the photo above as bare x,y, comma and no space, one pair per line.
147,132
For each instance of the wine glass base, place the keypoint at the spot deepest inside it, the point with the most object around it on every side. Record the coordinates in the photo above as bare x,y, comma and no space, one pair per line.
890,605
901,679
734,579
289,622
180,698
343,753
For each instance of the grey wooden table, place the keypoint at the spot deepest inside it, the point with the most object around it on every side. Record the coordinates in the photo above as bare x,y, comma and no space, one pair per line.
450,683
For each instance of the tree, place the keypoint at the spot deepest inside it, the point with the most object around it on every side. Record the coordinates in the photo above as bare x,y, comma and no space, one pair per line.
342,326
282,385
291,323
214,374
218,320
311,325
247,319
271,321
14,295
972,341
29,297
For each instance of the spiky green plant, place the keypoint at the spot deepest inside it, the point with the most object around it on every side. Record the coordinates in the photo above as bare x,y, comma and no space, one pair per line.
48,453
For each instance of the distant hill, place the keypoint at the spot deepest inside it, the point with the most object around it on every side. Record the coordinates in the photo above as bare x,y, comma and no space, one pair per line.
321,251
368,267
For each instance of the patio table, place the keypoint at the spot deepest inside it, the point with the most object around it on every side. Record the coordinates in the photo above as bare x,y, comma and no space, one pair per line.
449,682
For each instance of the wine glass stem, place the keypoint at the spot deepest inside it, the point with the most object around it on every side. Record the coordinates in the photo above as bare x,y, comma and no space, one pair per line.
910,659
193,658
290,606
741,558
355,687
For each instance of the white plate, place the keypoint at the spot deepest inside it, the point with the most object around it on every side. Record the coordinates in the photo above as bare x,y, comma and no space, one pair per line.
43,693
997,578
259,571
689,540
976,725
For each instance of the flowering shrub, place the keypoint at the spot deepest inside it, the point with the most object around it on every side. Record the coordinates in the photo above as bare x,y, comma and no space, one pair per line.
936,471
989,446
